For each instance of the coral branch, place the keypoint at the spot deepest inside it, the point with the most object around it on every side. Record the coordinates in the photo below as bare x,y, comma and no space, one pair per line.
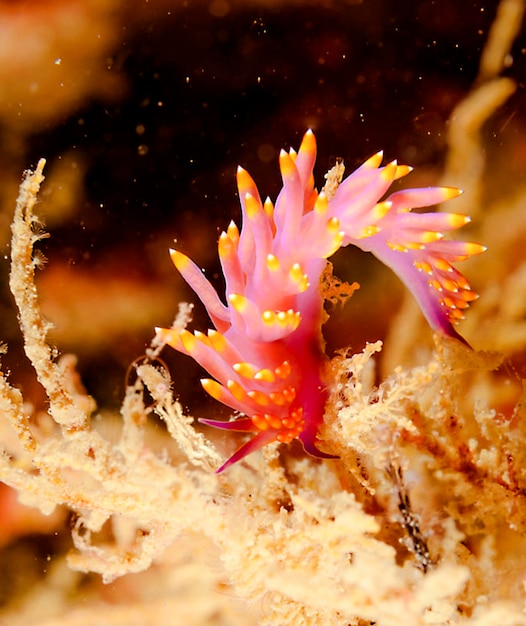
62,405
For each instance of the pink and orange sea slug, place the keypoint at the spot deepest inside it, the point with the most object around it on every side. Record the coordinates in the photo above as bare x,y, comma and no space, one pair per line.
265,350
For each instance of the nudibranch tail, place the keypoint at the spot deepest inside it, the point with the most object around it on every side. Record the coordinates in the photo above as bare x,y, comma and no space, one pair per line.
265,350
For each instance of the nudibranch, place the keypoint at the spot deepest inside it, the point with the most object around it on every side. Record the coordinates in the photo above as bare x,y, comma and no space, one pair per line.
265,351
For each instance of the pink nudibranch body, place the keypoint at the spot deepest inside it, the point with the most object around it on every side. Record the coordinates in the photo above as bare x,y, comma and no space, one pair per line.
265,352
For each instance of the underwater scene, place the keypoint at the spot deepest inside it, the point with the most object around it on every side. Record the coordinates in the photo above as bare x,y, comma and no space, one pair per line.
263,297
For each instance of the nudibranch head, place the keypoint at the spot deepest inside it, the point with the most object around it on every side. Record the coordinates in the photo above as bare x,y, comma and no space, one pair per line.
265,350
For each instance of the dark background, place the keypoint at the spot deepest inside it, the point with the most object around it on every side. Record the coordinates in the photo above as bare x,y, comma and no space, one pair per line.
210,85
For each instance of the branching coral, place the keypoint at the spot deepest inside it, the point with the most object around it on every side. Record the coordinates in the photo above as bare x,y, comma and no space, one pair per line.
419,521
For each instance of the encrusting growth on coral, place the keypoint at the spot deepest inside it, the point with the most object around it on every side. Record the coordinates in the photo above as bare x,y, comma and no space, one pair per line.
265,350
